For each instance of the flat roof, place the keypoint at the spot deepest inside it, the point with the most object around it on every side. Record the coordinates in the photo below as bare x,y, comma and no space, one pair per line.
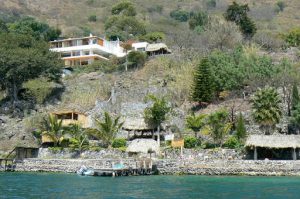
78,38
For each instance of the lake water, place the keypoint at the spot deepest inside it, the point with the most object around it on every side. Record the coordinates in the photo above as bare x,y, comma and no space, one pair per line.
49,185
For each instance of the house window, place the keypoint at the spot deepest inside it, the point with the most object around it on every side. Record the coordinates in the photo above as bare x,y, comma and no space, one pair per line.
140,49
76,53
66,54
66,116
75,116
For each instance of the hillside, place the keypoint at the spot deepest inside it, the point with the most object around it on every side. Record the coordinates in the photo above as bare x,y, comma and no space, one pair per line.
238,67
72,15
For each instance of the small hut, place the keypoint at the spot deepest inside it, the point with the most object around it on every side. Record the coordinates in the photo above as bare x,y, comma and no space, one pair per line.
143,146
274,146
157,49
71,116
28,151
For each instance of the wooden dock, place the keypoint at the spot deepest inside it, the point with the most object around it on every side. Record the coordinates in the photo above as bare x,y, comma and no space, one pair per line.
122,172
141,168
7,164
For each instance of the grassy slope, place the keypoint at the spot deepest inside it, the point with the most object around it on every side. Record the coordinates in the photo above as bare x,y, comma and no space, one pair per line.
70,15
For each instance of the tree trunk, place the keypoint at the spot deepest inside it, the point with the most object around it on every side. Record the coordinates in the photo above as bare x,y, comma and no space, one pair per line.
126,62
158,134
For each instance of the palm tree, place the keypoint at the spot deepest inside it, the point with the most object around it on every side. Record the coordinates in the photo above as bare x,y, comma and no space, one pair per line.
218,126
195,123
266,110
108,128
79,140
54,129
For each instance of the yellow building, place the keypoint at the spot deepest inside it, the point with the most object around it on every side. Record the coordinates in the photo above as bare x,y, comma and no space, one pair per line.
72,117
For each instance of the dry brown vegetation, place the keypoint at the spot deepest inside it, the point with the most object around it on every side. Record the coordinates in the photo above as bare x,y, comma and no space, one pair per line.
72,16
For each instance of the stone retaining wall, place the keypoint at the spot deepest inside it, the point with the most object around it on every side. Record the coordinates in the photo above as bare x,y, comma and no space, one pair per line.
47,153
229,167
68,165
171,166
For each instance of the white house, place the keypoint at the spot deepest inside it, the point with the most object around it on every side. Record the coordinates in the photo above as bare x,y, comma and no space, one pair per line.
140,46
85,50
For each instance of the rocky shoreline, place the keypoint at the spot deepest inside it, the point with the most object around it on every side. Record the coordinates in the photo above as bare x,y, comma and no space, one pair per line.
171,166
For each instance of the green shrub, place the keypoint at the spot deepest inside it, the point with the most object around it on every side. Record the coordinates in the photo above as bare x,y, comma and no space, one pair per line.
39,89
180,15
136,59
92,18
37,134
95,148
55,149
207,145
118,143
280,6
123,148
232,143
191,142
293,37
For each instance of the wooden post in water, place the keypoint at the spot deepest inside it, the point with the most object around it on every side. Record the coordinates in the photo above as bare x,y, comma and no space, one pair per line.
255,153
294,154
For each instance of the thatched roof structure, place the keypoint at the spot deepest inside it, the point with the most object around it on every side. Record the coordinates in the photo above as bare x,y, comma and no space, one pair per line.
143,146
69,109
273,141
47,139
157,47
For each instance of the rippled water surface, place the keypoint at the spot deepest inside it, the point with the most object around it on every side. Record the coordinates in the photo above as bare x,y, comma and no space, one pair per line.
48,185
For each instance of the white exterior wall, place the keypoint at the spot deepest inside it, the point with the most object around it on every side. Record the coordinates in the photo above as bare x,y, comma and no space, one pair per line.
109,47
138,45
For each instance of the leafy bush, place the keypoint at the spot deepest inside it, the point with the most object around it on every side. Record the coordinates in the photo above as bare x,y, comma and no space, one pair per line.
180,15
232,142
92,18
153,37
293,37
117,143
136,59
191,142
199,19
280,5
39,89
95,148
55,149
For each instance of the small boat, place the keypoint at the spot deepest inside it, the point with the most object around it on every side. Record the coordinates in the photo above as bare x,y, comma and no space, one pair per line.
84,171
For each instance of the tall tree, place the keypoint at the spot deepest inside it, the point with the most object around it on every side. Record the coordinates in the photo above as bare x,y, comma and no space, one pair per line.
241,132
126,8
108,128
22,59
123,24
38,30
238,14
266,110
157,113
295,97
203,87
